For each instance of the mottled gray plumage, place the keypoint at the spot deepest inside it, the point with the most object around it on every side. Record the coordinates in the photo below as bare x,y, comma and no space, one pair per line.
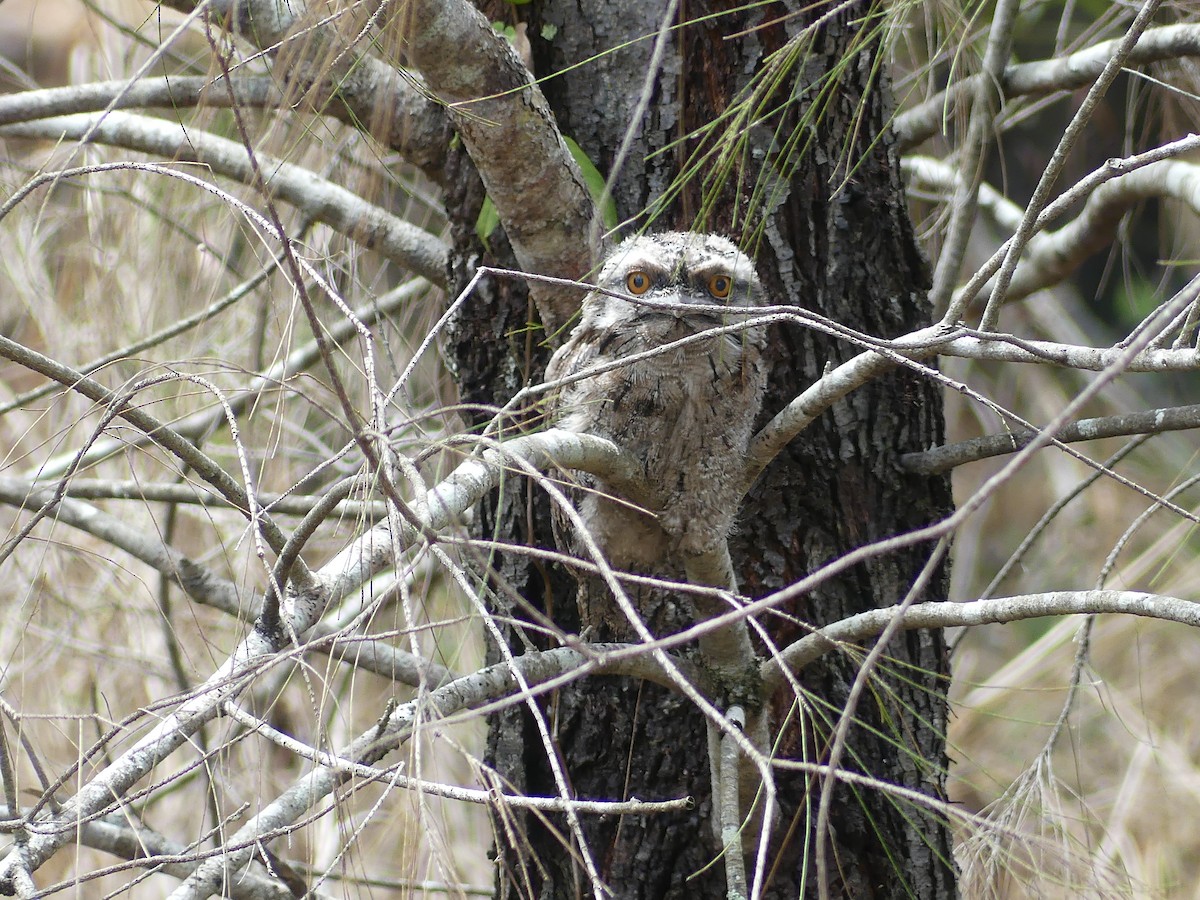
685,414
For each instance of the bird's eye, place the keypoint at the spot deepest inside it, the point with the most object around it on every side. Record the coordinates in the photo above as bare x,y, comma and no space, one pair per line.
637,282
720,286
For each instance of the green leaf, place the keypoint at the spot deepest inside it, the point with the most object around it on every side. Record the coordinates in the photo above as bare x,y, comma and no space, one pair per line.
594,181
488,221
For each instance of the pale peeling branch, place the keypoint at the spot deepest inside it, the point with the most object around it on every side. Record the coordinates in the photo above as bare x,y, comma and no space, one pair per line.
169,93
198,582
979,612
368,555
465,693
1151,421
311,58
833,386
370,226
1050,257
1047,76
124,836
1083,189
510,133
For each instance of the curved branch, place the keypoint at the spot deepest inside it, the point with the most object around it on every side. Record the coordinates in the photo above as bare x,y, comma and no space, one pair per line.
1152,421
356,88
198,582
372,552
833,386
999,610
155,431
344,211
510,133
1052,256
468,692
1111,192
922,122
184,91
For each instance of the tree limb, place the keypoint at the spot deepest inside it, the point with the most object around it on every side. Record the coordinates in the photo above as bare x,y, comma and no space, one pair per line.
472,690
1170,42
1152,421
999,610
344,211
183,91
510,133
198,582
354,87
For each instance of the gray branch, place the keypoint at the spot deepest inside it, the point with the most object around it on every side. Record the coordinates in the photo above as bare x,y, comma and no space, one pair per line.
465,693
198,582
123,836
1152,421
510,132
354,87
168,93
371,226
1045,77
346,572
979,612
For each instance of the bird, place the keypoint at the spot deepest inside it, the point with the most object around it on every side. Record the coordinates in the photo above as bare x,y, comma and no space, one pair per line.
686,414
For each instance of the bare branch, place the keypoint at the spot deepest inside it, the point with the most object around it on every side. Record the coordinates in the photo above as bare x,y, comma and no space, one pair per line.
833,386
1169,42
973,156
198,582
1041,193
191,494
1055,255
1153,421
495,681
352,86
730,806
123,836
979,612
369,225
371,553
184,91
1006,348
349,767
1113,168
510,132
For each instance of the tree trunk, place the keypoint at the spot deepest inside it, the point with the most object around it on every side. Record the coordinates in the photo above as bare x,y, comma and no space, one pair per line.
831,234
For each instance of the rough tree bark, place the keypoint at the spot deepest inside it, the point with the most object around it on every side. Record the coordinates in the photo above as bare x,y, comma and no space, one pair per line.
835,238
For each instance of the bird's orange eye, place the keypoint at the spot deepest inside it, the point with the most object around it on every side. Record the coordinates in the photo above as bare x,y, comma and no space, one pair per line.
637,282
720,286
